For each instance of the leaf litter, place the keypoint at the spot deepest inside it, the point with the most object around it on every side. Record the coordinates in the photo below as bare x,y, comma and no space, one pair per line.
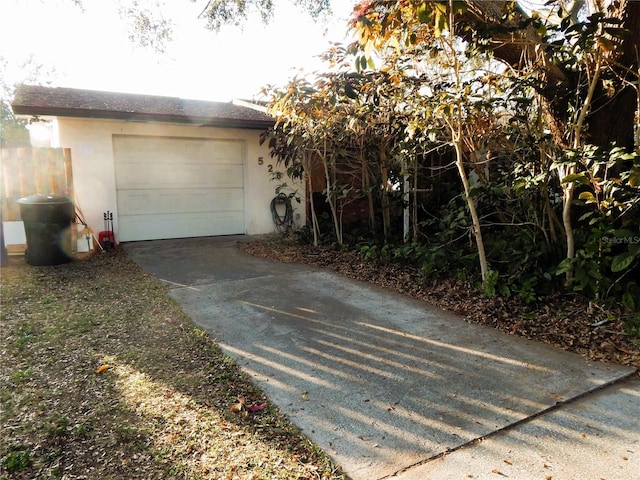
104,376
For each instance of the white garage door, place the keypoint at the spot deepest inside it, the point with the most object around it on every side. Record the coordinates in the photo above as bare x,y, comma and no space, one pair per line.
178,187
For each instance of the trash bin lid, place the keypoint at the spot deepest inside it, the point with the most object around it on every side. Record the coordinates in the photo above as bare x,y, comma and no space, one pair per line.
39,199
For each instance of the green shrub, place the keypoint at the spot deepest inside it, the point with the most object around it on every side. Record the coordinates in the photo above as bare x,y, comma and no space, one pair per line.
17,460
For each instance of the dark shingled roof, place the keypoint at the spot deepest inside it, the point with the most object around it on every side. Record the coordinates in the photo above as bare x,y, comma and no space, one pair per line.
70,102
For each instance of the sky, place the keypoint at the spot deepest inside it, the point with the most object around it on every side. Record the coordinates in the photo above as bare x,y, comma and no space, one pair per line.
91,49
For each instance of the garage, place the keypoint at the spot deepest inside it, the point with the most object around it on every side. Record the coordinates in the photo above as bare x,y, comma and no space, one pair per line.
171,187
166,167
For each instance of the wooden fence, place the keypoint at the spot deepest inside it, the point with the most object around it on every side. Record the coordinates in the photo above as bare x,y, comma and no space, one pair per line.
26,171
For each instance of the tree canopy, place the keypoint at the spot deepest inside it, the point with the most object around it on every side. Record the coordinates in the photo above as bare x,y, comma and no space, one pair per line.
479,122
234,12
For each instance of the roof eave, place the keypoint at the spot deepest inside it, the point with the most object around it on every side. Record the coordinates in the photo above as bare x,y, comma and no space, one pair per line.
141,117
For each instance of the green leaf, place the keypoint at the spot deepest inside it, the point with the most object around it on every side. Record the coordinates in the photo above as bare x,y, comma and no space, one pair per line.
424,16
616,32
541,29
564,266
441,7
585,216
576,177
460,7
441,20
622,261
587,197
628,301
363,63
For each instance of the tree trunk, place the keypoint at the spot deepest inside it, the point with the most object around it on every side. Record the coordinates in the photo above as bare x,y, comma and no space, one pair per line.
414,210
331,194
475,220
568,188
315,228
384,174
366,184
567,199
457,132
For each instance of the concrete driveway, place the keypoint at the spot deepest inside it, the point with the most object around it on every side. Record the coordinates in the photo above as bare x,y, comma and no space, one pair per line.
391,387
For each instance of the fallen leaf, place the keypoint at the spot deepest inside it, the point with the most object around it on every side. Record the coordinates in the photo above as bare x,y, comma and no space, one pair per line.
102,368
257,408
304,396
236,407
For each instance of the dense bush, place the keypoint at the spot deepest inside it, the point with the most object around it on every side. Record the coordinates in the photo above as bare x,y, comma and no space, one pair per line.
468,168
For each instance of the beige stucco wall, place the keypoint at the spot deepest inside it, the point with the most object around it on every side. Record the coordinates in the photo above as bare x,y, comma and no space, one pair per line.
91,147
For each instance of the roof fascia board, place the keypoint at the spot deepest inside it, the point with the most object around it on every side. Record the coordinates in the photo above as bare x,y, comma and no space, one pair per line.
141,117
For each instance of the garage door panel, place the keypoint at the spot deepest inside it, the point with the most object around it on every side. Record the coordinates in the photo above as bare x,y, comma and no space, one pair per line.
225,223
178,187
132,202
221,200
153,202
131,176
150,150
228,176
154,227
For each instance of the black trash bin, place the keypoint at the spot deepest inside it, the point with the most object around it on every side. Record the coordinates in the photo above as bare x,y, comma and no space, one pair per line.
47,225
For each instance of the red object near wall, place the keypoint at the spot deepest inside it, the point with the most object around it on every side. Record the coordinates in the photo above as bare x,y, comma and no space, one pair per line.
107,240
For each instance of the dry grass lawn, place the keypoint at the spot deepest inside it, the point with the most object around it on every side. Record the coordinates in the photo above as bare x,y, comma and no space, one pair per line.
104,377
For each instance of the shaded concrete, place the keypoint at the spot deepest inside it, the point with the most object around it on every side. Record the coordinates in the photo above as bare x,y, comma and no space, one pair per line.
381,382
596,437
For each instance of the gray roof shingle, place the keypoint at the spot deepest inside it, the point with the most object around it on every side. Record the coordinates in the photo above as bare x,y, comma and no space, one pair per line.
70,102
